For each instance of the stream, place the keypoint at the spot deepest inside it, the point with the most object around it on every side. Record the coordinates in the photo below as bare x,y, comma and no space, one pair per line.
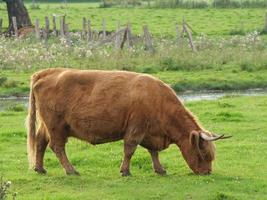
6,102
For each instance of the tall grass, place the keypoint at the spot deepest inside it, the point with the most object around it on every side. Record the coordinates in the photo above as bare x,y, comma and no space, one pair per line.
247,53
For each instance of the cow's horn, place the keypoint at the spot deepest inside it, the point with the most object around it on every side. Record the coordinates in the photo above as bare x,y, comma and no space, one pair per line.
213,137
223,136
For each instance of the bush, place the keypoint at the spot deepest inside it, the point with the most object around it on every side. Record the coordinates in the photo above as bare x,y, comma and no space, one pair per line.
148,70
10,84
110,3
35,7
5,189
3,79
16,108
180,4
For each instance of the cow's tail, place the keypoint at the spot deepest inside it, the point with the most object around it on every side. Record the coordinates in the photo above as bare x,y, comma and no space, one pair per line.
31,126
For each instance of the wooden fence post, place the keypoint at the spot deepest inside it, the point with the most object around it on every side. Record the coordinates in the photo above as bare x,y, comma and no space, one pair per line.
67,33
178,34
117,37
191,42
104,29
62,26
148,40
89,31
84,28
124,38
37,29
14,21
129,35
46,30
1,24
54,25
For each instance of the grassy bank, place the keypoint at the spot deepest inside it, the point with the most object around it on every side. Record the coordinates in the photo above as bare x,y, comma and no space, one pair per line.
239,170
17,83
219,64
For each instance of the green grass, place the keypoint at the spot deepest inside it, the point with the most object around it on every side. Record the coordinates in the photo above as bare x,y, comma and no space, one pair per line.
216,22
239,170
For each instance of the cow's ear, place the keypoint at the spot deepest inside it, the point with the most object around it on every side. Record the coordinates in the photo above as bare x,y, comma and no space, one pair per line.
194,138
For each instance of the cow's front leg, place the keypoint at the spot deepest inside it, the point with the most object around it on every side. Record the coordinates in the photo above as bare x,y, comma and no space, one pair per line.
129,150
156,164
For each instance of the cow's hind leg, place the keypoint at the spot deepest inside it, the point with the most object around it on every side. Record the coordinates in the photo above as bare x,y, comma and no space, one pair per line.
41,144
156,164
58,139
59,150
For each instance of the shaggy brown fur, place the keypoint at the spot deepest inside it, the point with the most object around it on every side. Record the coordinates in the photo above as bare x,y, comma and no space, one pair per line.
25,31
106,106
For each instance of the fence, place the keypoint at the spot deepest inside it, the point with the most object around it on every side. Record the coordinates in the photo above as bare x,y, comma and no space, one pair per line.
122,37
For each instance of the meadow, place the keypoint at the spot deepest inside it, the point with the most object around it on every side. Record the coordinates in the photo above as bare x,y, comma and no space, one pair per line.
231,46
214,22
239,169
231,55
236,63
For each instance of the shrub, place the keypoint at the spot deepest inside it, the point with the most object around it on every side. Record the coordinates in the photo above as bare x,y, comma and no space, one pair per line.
148,70
180,4
10,84
35,7
5,190
3,79
16,108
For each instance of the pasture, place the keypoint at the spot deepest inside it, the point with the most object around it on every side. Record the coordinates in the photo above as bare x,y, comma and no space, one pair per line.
231,55
239,170
214,22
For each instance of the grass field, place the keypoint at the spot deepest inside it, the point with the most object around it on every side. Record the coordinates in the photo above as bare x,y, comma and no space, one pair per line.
239,170
215,22
234,64
223,62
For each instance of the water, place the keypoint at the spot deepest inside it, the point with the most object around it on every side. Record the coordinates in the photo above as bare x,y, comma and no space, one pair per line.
7,102
213,95
185,97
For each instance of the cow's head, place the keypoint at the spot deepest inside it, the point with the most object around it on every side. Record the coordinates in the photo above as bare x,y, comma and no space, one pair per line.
199,151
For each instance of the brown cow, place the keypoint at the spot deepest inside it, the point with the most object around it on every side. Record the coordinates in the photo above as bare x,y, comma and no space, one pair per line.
106,106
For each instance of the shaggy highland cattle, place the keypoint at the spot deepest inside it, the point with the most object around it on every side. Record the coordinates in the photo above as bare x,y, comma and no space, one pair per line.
106,106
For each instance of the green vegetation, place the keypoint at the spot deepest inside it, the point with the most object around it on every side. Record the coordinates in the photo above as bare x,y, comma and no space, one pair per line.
239,170
5,189
219,64
223,61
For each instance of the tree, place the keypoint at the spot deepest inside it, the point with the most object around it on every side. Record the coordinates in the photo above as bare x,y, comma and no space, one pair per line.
16,8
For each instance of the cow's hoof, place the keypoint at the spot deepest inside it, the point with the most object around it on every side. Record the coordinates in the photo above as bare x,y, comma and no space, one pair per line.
73,173
40,170
125,173
161,172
